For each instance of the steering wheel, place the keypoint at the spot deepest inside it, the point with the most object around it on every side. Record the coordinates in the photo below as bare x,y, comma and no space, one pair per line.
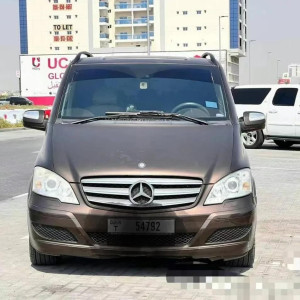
187,105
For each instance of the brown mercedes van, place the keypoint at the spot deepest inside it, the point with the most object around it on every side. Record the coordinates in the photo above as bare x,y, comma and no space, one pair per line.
143,157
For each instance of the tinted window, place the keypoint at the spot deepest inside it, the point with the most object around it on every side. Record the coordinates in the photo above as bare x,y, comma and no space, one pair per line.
285,97
191,91
250,96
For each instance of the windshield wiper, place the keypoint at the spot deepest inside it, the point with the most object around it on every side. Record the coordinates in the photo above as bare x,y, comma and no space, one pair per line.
148,114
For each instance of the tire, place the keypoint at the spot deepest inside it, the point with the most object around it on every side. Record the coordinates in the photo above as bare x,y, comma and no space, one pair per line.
39,259
253,139
246,261
283,144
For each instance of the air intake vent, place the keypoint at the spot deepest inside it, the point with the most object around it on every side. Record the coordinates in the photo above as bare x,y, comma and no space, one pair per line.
174,240
227,235
57,234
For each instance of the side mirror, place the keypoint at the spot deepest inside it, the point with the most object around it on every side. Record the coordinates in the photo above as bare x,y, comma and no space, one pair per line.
252,121
36,119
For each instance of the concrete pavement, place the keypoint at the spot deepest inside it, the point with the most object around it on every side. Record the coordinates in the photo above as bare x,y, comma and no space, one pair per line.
276,274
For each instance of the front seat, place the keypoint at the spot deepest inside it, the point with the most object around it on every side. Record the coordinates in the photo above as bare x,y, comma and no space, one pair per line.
104,101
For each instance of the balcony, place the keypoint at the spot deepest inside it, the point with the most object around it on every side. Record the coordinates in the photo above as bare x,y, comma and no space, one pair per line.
104,36
135,6
135,22
123,22
133,37
103,20
143,21
103,5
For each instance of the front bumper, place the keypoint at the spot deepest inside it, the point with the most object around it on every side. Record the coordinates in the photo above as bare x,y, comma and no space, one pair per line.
202,221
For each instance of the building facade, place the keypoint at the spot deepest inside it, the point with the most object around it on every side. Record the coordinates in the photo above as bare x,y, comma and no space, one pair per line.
108,26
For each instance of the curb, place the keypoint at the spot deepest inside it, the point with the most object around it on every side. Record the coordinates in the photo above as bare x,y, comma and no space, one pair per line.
12,129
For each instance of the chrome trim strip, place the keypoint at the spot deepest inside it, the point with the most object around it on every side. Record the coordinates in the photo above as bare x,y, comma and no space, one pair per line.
125,191
153,181
127,203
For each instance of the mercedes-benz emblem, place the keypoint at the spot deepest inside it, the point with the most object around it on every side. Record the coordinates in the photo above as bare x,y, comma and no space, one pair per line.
141,193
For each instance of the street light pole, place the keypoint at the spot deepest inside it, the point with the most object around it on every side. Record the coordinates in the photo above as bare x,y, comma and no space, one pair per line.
148,28
278,61
269,53
249,51
220,37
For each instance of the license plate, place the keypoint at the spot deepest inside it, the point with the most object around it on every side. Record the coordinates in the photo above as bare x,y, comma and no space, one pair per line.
125,226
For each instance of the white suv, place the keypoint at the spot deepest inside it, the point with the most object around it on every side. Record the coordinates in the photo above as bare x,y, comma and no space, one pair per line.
281,106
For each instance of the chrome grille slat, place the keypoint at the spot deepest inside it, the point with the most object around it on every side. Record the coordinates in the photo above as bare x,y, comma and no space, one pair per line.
132,180
124,191
114,191
127,203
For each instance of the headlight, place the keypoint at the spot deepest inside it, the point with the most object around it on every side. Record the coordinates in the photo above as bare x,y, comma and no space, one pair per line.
49,184
235,185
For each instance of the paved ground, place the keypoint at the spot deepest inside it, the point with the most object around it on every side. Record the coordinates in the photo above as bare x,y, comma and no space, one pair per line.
18,151
276,274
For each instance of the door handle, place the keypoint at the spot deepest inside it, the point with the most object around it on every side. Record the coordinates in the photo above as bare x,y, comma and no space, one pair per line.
273,111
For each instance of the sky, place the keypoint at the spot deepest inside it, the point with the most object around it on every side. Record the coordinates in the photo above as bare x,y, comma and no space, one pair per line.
272,23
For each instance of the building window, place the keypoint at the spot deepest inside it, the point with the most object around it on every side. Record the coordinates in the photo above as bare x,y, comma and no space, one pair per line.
50,48
69,32
56,32
185,12
199,44
178,45
56,48
69,48
185,44
199,12
177,12
185,29
76,47
68,1
205,27
68,16
56,17
55,1
76,31
177,28
199,27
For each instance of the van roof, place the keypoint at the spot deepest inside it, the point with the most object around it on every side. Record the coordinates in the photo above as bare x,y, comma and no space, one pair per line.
146,60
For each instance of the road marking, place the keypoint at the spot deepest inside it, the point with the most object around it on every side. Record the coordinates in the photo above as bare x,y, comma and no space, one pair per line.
35,152
26,237
20,196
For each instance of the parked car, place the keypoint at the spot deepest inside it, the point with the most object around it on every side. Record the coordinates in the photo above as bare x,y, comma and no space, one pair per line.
19,101
143,157
281,106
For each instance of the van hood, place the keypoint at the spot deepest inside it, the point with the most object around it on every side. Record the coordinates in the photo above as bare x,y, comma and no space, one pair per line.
117,149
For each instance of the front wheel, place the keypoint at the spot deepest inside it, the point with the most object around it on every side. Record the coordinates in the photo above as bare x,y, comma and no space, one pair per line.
246,261
253,139
283,144
39,259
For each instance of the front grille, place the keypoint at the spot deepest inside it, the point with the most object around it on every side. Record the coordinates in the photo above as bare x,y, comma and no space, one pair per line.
114,191
129,240
52,233
228,235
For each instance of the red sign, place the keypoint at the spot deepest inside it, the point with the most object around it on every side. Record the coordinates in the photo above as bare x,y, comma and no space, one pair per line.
284,81
62,6
63,38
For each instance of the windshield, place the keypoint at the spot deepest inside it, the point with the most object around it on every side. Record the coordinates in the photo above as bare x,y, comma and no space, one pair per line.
187,90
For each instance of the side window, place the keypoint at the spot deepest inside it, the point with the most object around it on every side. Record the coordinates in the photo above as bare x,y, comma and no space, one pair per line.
285,97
